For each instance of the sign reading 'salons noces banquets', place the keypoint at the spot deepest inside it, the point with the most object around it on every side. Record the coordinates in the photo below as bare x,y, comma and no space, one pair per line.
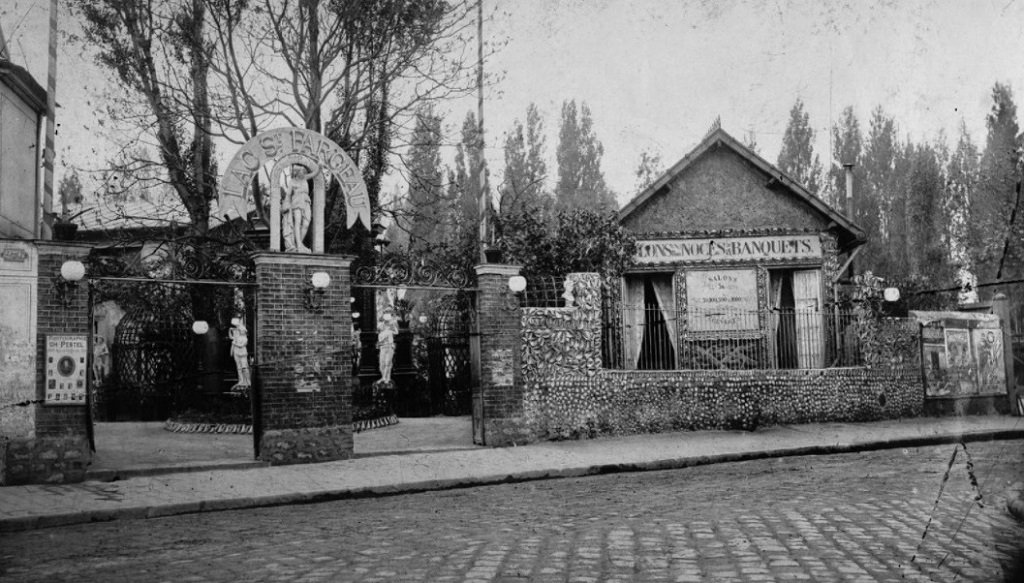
790,247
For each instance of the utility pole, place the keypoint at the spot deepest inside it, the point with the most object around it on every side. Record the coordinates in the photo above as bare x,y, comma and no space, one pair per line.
51,107
485,199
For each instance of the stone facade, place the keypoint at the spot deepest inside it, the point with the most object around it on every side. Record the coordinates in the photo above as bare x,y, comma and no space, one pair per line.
628,402
303,360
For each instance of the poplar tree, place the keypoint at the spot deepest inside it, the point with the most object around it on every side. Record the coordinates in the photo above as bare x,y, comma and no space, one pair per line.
526,172
426,189
581,182
992,202
874,201
928,252
797,157
962,175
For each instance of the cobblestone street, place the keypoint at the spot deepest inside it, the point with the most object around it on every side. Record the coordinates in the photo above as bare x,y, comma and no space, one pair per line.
852,517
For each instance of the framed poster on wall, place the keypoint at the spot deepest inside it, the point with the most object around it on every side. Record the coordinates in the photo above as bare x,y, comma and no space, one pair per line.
65,369
961,361
721,300
988,353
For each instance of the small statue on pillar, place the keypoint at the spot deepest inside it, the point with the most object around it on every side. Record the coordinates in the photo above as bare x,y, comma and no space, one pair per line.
240,352
296,207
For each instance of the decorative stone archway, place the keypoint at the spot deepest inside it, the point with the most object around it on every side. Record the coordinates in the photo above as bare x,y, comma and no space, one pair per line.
323,160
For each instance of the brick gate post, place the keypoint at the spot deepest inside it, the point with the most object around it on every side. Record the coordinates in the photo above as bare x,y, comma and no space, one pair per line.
500,391
303,358
56,449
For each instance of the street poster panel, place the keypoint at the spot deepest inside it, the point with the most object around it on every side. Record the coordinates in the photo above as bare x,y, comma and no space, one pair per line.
961,361
938,381
988,353
65,369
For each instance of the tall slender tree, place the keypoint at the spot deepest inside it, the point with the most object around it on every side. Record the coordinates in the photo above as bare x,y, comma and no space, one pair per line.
426,187
873,204
962,174
993,201
928,252
580,178
797,157
526,172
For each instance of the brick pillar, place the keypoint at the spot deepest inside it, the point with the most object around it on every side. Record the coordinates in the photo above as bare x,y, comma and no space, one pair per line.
303,367
500,391
1001,308
58,449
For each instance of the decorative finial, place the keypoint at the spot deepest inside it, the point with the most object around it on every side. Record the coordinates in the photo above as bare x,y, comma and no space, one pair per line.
715,125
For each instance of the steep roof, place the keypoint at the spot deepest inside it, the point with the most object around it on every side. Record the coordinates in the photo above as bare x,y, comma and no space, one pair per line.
850,235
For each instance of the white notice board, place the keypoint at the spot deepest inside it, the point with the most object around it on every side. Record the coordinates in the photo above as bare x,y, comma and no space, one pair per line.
65,369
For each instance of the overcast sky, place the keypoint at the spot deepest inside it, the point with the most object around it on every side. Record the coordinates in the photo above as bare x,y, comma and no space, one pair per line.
657,73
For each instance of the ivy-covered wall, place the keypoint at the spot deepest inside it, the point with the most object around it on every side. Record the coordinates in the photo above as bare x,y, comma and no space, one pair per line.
568,395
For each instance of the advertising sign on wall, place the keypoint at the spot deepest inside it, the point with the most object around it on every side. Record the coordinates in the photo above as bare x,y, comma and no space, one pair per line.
721,299
963,354
787,247
988,353
65,369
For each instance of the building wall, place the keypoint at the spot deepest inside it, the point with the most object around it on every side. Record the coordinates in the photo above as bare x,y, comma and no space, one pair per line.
58,449
18,176
722,191
18,268
568,395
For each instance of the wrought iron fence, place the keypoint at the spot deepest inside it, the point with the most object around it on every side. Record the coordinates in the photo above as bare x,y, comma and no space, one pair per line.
544,291
650,338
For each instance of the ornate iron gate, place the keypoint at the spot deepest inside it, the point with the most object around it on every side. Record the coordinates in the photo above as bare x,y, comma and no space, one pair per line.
433,306
165,317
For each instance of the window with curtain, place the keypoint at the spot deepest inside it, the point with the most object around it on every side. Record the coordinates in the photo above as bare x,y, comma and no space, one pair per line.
649,322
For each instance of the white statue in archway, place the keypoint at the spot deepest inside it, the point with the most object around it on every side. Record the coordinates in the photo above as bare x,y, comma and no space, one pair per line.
319,159
297,207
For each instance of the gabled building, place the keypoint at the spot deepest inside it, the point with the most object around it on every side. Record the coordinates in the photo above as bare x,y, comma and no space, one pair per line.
736,262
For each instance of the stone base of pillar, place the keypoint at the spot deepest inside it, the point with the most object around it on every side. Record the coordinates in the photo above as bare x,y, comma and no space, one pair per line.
508,432
306,445
44,460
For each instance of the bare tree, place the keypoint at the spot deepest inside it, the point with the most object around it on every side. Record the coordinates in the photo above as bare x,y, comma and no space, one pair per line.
200,70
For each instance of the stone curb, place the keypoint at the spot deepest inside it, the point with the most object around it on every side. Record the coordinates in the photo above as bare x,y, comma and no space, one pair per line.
1015,506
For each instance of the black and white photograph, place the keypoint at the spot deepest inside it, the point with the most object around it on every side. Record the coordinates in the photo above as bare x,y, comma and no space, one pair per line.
495,291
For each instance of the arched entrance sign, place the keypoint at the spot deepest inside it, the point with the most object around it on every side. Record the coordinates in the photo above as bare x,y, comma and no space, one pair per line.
300,155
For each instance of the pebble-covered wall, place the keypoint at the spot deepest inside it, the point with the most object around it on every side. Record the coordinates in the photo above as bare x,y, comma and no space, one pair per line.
568,395
627,402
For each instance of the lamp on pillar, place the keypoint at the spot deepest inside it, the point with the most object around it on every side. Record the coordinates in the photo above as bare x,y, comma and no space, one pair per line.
71,272
516,285
313,299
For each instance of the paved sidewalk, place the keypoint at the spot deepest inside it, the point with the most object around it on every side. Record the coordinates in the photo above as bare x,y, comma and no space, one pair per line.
28,507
